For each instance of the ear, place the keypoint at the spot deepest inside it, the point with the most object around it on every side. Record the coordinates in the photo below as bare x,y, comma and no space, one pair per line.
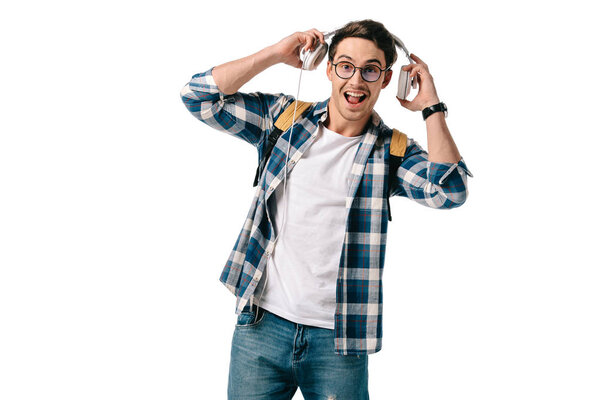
329,70
387,78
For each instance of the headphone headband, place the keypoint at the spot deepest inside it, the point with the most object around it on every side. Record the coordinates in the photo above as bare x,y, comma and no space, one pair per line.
396,39
399,43
311,59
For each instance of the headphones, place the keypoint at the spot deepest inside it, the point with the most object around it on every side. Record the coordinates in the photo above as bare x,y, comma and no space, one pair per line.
312,58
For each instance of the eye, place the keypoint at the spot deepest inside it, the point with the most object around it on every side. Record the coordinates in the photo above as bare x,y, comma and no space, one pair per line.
371,69
346,66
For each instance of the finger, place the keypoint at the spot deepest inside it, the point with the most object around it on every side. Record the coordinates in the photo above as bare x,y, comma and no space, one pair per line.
420,72
406,103
319,35
314,38
418,60
415,70
309,41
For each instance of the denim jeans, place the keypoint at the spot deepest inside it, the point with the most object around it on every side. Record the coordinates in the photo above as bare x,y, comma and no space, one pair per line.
271,357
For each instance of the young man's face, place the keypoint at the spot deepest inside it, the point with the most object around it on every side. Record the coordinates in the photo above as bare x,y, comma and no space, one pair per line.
353,99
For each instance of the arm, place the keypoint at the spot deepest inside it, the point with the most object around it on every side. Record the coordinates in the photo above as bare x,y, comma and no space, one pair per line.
438,177
213,96
440,145
245,116
231,76
432,184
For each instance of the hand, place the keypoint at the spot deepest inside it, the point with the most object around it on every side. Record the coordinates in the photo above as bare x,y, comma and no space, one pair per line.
427,95
288,48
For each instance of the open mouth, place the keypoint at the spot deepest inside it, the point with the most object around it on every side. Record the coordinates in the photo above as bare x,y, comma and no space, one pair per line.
354,97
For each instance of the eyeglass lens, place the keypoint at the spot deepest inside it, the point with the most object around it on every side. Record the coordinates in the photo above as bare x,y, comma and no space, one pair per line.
369,73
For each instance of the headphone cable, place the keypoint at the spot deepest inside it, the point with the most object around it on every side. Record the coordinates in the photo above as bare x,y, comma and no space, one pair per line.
287,155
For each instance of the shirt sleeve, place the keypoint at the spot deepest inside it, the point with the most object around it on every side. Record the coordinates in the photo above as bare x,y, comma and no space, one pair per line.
436,185
247,116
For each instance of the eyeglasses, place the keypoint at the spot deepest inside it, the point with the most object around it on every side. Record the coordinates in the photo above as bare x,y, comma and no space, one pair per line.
346,70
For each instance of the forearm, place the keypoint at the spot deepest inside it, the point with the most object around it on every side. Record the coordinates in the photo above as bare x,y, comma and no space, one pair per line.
433,184
231,76
440,145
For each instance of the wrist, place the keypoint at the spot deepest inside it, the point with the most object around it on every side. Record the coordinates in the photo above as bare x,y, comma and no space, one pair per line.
434,109
431,102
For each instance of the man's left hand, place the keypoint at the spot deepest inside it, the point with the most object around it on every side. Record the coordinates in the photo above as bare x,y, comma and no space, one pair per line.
427,95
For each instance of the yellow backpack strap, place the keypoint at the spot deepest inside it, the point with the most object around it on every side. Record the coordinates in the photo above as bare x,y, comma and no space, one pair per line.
398,145
284,121
282,124
397,151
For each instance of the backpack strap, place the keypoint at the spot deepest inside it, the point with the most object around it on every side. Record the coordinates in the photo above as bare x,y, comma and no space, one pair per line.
284,121
282,124
397,151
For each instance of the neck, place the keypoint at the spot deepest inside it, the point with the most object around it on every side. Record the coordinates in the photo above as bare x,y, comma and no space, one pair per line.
335,122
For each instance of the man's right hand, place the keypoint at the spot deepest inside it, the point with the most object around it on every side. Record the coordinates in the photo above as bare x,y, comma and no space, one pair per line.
289,48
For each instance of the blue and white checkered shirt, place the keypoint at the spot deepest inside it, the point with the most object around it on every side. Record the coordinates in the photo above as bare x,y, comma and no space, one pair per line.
358,315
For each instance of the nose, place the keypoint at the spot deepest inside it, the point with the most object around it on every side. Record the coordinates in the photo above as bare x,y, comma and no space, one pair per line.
357,77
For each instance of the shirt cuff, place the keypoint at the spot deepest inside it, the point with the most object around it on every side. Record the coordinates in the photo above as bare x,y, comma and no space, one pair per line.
438,173
205,83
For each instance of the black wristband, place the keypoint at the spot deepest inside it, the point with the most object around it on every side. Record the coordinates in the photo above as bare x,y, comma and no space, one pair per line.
433,109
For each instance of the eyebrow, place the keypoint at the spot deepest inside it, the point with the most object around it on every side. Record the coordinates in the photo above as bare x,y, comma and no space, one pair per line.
372,60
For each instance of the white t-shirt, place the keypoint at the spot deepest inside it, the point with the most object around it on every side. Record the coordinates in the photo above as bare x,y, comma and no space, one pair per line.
302,271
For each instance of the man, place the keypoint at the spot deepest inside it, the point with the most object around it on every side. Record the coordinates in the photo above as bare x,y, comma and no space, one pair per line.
320,236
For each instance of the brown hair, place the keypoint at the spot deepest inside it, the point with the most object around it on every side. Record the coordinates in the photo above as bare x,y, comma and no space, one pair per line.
367,29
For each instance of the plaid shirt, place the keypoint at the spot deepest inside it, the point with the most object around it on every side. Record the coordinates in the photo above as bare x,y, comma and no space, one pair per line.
358,315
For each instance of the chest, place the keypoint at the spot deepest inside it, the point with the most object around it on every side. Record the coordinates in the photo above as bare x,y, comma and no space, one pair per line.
358,164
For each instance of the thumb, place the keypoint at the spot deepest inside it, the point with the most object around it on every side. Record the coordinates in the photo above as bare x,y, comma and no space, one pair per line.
404,103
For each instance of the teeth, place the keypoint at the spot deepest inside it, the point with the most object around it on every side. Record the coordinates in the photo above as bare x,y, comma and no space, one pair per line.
354,94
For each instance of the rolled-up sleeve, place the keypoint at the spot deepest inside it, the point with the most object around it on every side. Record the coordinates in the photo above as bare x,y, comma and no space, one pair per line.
244,115
436,185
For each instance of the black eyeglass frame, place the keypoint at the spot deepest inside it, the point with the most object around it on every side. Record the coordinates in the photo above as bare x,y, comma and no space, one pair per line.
361,70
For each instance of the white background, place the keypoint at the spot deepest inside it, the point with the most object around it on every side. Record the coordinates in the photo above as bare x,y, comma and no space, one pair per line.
118,209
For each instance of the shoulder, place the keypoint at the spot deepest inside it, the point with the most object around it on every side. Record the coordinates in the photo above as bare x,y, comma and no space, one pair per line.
396,142
384,133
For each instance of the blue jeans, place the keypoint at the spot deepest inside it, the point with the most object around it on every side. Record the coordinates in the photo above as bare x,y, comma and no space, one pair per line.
271,357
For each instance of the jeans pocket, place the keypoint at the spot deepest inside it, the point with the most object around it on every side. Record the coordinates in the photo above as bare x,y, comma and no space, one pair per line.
248,319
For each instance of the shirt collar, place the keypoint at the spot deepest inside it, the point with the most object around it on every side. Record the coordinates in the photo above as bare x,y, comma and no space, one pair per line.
321,110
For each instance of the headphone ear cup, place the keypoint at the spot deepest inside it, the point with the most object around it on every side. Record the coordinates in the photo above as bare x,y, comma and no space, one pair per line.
403,84
312,59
